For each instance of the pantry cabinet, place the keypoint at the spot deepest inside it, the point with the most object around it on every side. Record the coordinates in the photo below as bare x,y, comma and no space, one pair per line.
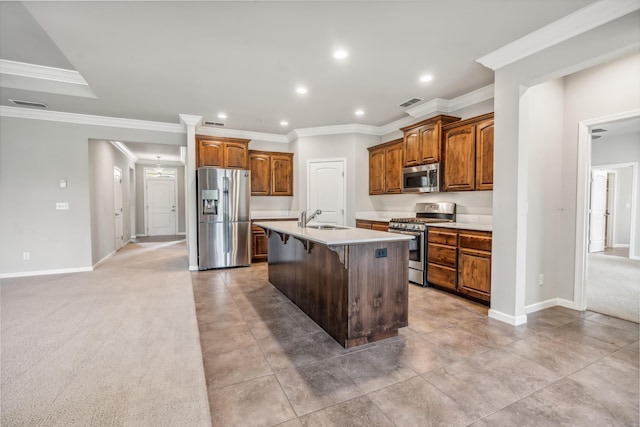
271,173
221,152
385,168
422,140
467,154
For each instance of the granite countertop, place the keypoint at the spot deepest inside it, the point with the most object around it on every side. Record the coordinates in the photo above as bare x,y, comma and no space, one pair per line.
346,236
464,226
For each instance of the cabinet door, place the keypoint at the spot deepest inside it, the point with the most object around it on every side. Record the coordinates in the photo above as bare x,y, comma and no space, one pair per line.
430,143
376,171
363,224
260,247
281,175
235,154
484,156
459,159
380,226
411,148
260,165
474,273
210,153
393,169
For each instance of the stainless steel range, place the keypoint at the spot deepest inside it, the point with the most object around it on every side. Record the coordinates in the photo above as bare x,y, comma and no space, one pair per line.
426,213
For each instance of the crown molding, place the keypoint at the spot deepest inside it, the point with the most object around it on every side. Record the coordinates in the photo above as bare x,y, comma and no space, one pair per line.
439,105
396,125
232,133
578,22
86,119
34,71
188,120
124,150
334,130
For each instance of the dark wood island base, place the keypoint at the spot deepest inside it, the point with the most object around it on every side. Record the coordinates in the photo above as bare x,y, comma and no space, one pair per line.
357,293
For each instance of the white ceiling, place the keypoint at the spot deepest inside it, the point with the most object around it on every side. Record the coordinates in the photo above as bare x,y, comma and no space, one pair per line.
155,60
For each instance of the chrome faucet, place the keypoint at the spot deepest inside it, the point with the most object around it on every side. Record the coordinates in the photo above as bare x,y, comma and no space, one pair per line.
303,221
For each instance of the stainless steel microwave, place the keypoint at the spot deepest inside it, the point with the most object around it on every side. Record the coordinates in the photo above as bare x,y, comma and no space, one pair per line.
421,179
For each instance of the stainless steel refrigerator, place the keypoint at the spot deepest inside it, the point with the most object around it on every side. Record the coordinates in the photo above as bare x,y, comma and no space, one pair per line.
224,223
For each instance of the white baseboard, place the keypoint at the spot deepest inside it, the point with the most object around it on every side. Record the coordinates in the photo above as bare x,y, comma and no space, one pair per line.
193,268
620,245
532,308
106,257
181,234
507,318
45,272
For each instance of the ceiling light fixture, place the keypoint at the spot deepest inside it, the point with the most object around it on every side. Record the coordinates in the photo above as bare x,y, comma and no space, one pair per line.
340,54
301,90
284,123
222,116
426,78
359,112
158,168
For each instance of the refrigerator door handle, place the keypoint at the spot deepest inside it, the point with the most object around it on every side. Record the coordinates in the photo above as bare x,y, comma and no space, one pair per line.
226,207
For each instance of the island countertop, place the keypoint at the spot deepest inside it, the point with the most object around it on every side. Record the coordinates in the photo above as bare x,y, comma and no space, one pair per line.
346,236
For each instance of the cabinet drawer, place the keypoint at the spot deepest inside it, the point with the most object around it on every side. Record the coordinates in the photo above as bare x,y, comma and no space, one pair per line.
443,237
441,275
475,240
443,255
380,226
363,224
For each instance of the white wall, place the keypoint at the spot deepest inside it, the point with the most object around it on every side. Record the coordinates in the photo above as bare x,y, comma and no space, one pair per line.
34,156
541,122
617,150
511,178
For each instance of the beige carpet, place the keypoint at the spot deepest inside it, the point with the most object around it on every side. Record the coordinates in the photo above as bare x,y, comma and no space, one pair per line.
118,346
613,286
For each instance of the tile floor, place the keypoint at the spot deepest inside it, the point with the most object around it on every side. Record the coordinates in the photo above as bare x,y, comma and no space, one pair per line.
268,364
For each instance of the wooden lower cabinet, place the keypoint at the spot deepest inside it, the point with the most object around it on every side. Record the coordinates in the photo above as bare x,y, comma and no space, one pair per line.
460,261
372,225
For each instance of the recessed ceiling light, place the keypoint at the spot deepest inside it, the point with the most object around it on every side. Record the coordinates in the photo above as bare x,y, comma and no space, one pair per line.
222,116
359,112
284,123
340,54
301,90
426,78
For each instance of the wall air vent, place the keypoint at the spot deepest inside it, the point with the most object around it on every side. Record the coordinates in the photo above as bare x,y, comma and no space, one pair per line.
29,103
410,102
213,124
598,130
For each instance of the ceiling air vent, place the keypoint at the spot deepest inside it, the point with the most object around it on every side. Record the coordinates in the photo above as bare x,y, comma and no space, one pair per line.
213,124
29,103
409,102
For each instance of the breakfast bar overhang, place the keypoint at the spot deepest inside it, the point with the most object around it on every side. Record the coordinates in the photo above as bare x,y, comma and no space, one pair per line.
352,282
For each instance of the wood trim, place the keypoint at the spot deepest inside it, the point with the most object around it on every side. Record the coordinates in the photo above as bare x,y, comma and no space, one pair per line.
442,117
385,144
472,120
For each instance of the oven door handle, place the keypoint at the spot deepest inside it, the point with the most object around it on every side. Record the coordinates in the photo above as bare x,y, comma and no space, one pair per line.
411,233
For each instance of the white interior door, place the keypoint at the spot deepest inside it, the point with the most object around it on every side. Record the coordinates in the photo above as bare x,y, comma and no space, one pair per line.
326,190
117,203
161,206
598,210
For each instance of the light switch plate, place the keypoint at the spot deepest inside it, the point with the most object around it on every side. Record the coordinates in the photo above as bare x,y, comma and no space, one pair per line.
62,206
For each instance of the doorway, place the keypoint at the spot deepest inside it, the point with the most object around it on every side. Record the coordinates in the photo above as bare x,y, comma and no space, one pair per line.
605,281
160,196
117,203
326,190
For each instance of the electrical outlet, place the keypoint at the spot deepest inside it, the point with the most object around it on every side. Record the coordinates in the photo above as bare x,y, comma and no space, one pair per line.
26,256
473,218
62,206
381,253
540,279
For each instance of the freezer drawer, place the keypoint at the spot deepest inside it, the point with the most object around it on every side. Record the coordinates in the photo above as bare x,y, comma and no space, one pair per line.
223,244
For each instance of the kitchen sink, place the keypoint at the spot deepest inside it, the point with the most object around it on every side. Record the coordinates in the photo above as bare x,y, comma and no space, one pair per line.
327,227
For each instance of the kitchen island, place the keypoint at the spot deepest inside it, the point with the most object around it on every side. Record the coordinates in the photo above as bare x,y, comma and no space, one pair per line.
352,282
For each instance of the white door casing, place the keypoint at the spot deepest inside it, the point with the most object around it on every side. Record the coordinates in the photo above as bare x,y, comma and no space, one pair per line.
160,196
326,190
597,210
117,204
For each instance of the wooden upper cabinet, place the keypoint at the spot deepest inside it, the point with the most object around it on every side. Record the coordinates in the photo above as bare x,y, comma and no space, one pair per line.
385,168
282,174
467,154
393,168
260,165
376,170
271,173
459,157
221,152
422,140
484,155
